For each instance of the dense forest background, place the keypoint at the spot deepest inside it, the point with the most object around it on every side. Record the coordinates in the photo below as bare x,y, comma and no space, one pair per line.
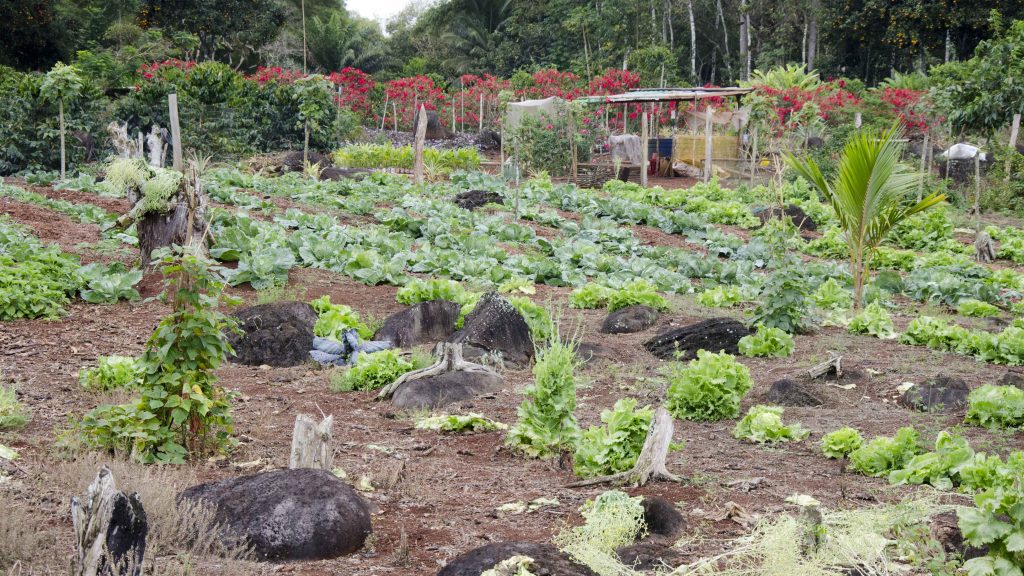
666,41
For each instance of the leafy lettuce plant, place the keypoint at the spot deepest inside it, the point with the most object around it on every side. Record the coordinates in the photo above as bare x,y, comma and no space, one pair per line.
637,292
373,371
840,443
940,468
13,413
111,373
995,522
884,454
709,388
976,308
333,319
720,296
996,407
767,341
546,423
614,447
418,290
471,422
874,320
763,424
590,295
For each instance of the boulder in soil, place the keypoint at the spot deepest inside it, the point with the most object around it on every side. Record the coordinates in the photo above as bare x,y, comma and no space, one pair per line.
473,199
432,321
714,335
494,328
1012,378
941,394
302,514
794,213
588,352
295,161
435,130
630,319
448,388
649,556
547,560
662,518
332,173
786,392
276,334
488,140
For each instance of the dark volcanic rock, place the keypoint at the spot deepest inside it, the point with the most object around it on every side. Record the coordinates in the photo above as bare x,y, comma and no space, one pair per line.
714,335
447,388
662,517
275,334
432,321
588,352
942,394
294,161
547,560
788,393
435,129
332,173
1012,378
649,556
488,140
495,327
796,215
302,514
629,320
945,529
473,199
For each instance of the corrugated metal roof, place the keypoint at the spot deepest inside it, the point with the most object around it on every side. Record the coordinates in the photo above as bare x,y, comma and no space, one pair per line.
667,95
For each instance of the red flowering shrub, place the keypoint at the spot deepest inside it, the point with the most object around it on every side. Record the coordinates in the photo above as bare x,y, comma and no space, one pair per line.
266,74
355,86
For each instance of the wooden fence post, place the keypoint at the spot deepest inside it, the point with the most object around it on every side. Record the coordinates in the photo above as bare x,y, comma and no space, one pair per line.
924,159
857,120
481,118
176,161
643,149
708,147
421,134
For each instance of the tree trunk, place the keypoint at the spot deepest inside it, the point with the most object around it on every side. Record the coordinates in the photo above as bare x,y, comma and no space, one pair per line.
858,281
421,133
949,47
693,41
650,464
812,33
60,108
311,443
449,360
744,42
183,224
725,36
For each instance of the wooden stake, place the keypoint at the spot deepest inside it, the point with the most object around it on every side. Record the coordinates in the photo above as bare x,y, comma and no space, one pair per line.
394,110
481,118
311,443
857,120
924,158
1014,131
421,134
977,190
384,116
643,148
176,161
753,156
708,148
60,111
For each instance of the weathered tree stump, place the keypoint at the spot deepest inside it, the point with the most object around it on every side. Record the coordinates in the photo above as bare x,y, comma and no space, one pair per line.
450,360
311,443
984,247
833,365
110,530
650,464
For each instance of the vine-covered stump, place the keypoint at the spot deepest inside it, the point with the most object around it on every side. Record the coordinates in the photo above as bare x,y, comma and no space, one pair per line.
301,514
786,392
159,230
494,328
110,530
714,335
547,560
794,213
473,199
630,319
941,394
448,388
276,334
432,321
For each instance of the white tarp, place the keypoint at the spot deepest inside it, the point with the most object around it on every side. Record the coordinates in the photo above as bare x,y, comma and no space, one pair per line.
535,108
626,148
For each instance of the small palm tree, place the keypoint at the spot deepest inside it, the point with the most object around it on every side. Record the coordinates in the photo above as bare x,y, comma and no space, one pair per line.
61,84
871,194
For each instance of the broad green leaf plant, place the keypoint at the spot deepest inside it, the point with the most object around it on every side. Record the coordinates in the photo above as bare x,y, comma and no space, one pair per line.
870,195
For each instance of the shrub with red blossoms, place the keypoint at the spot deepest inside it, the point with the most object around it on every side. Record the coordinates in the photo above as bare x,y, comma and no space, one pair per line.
355,88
